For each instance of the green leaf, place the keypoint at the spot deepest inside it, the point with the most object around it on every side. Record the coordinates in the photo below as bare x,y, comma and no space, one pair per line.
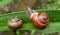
53,26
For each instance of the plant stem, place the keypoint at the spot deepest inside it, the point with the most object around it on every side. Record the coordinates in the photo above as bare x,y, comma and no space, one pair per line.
14,31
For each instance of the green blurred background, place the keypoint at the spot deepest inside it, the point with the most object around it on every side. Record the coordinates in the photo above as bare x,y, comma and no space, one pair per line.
34,4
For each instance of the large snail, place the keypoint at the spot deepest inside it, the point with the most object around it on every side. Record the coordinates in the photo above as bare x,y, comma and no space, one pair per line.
39,19
14,23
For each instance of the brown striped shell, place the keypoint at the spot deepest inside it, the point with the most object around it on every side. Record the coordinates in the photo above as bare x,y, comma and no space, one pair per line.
40,20
14,23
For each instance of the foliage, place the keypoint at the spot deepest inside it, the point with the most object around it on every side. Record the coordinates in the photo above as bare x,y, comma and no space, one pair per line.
35,4
47,4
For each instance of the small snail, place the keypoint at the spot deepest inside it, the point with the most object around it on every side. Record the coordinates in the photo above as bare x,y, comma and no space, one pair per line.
39,19
15,23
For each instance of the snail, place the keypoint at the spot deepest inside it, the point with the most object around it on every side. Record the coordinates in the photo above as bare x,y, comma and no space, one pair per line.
39,19
14,23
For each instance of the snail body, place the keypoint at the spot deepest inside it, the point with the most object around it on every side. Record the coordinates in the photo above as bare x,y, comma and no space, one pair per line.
39,19
15,23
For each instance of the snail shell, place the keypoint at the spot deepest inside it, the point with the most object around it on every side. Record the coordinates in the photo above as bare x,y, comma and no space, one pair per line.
40,20
15,23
